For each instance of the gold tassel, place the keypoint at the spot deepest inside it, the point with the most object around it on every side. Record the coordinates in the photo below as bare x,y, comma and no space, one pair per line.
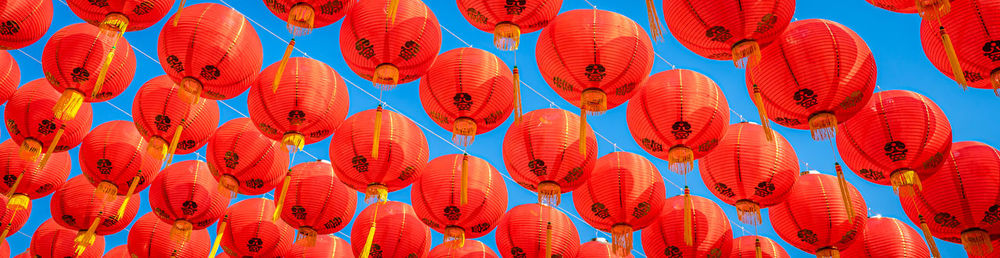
107,191
301,19
465,180
828,252
281,199
52,146
748,49
929,237
977,242
378,131
376,193
157,148
757,250
548,240
307,237
386,76
190,90
177,15
295,141
956,67
654,21
759,99
845,193
181,231
507,36
454,236
174,142
906,183
30,150
688,217
68,105
823,126
621,239
681,159
371,232
995,81
549,193
218,237
583,131
933,10
86,239
103,74
748,212
391,12
18,202
463,131
282,64
229,185
517,96
128,196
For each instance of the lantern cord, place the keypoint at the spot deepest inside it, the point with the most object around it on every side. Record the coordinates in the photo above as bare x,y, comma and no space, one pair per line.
177,15
548,240
378,130
281,66
281,199
654,21
949,50
52,146
103,74
688,217
845,194
928,237
464,195
758,253
128,195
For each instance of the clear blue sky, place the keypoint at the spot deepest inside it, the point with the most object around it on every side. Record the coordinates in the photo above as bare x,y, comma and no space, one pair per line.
893,38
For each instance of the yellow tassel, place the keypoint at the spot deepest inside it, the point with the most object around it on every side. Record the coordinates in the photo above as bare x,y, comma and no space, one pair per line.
177,15
52,146
86,239
463,131
748,212
6,229
517,96
295,141
845,193
757,250
106,191
157,148
906,183
181,231
386,76
378,131
391,12
114,23
30,150
18,202
190,90
583,131
507,36
621,239
995,81
956,67
371,233
281,198
759,100
301,19
465,180
748,49
307,237
548,240
218,237
688,217
977,242
654,21
229,185
282,64
376,193
828,252
933,10
128,196
454,236
68,105
549,193
681,159
175,141
103,74
823,126
929,238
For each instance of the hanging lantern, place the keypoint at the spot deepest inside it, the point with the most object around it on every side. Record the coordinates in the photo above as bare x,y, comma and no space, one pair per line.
10,76
170,125
390,48
460,196
711,235
469,91
147,239
326,246
536,230
117,16
758,247
797,88
24,22
961,203
120,251
245,161
539,155
696,120
400,233
888,237
214,56
966,53
316,202
51,240
12,219
75,207
76,63
507,20
113,157
31,124
186,196
302,17
24,181
599,248
750,172
250,231
723,30
899,6
471,249
814,219
624,194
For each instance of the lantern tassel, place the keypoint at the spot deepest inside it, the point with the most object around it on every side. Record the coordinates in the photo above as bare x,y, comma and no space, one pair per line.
376,193
977,242
52,146
759,100
517,96
301,20
929,238
845,193
281,198
30,150
688,217
190,90
681,159
507,36
68,105
103,74
748,212
828,253
933,10
218,238
85,239
174,142
995,81
229,185
307,237
463,131
583,132
549,193
905,183
386,76
465,180
454,236
18,202
282,64
956,67
378,131
391,13
295,141
746,54
181,231
654,21
548,240
157,148
177,15
106,191
757,250
621,239
823,126
371,232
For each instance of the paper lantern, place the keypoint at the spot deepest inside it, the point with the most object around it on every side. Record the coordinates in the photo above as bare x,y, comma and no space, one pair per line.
10,76
75,207
400,233
170,125
539,153
76,63
113,157
51,240
757,247
460,196
888,237
13,219
507,20
316,202
249,230
31,124
471,249
598,248
120,251
965,52
536,230
121,15
186,196
245,161
24,22
147,239
390,42
711,235
326,246
816,220
723,30
27,179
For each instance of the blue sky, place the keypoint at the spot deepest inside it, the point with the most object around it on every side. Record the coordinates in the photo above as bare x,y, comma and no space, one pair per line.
893,38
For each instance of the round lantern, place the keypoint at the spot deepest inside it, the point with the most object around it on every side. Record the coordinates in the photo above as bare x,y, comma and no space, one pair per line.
22,22
538,155
244,160
75,63
162,118
31,124
316,202
888,237
507,20
757,247
599,248
12,219
10,76
326,246
147,239
750,172
117,16
536,230
930,10
213,56
112,156
471,249
390,47
815,219
120,251
723,30
798,88
460,196
696,118
302,17
624,194
186,196
74,206
469,91
25,180
52,240
966,52
710,233
249,230
399,234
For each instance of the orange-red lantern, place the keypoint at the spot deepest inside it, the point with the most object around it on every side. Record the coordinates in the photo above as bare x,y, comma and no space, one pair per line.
12,219
74,206
888,237
245,161
539,155
31,124
710,236
390,42
249,230
967,53
599,248
687,128
469,91
536,230
112,157
147,239
10,76
723,30
121,15
186,196
120,251
52,240
326,246
302,17
507,20
797,88
162,118
22,22
25,181
471,249
316,202
460,196
624,194
757,247
400,232
899,6
815,219
76,63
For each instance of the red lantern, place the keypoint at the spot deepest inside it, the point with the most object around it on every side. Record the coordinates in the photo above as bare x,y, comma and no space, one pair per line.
967,54
121,15
508,20
536,230
803,90
377,171
897,139
24,22
460,196
120,251
326,246
539,156
888,237
696,120
961,203
599,248
27,179
400,232
10,76
390,42
52,240
302,16
112,156
146,239
12,219
76,207
31,124
213,56
711,235
249,230
185,195
815,219
899,6
624,194
245,161
750,172
317,203
162,119
471,249
469,91
75,63
723,30
757,247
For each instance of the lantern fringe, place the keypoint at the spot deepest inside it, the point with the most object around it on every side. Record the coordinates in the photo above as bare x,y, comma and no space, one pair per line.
68,105
295,141
190,90
995,81
371,232
507,36
181,231
518,112
748,212
621,239
681,159
746,54
52,146
828,252
454,236
218,238
229,185
823,126
905,183
654,21
106,191
956,67
463,131
173,142
378,131
391,12
307,237
928,237
30,150
764,121
977,242
157,148
180,7
549,193
845,194
114,23
128,196
594,101
688,217
548,240
583,132
385,76
464,193
282,64
376,193
757,250
301,19
933,10
18,202
281,199
85,239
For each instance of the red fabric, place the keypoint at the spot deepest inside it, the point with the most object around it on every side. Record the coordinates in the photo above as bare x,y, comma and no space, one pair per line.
468,83
897,130
29,116
325,12
10,76
73,58
969,25
141,14
37,183
711,232
594,49
745,247
899,6
312,100
747,167
624,189
686,104
20,218
239,150
471,249
711,28
157,111
326,246
598,249
51,240
316,199
399,233
529,16
214,45
115,152
120,251
186,191
410,43
75,206
436,196
814,216
816,66
402,151
251,232
150,237
544,146
888,237
521,232
24,22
